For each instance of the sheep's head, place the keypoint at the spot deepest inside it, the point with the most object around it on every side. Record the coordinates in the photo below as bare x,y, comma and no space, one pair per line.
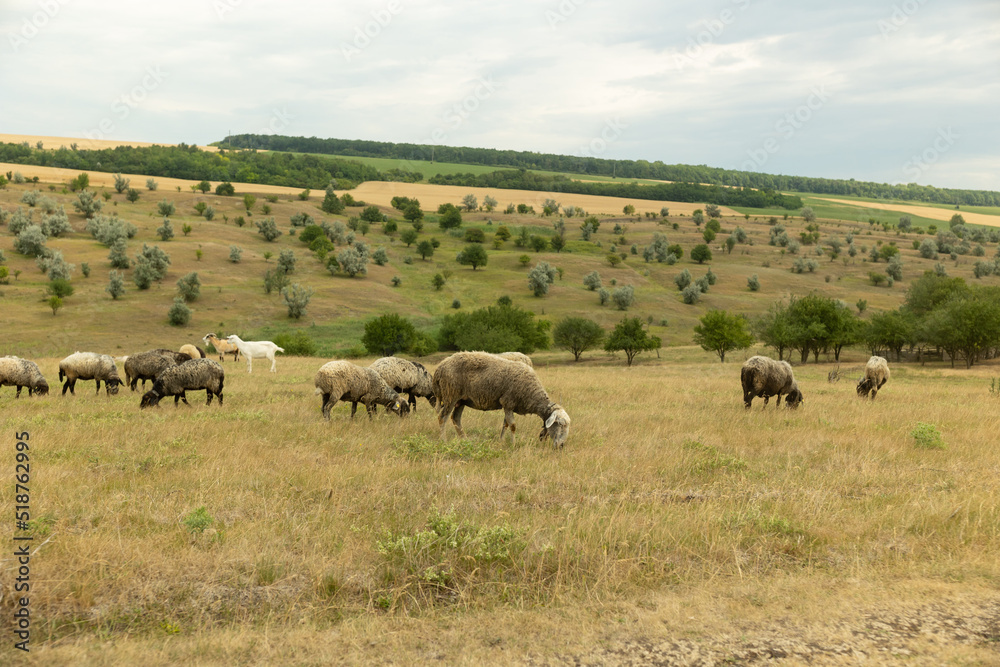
400,407
42,388
794,398
556,427
150,399
111,386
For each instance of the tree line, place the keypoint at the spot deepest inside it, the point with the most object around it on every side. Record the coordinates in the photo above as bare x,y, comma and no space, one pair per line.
624,169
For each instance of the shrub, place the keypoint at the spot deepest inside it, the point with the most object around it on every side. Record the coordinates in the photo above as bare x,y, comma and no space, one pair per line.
55,303
701,253
56,224
151,184
474,255
235,254
165,208
179,314
116,285
388,334
592,281
286,261
927,436
352,261
298,344
30,241
380,256
87,204
276,280
118,255
753,283
189,286
296,298
225,189
603,296
683,279
60,287
267,228
302,220
474,235
166,230
540,277
623,297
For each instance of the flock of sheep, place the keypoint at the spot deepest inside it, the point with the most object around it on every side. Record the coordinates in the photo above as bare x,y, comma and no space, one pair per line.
479,380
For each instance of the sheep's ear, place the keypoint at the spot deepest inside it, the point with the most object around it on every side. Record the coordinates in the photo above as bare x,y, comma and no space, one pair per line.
551,420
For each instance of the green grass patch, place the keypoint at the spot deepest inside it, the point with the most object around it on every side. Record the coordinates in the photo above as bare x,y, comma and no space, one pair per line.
464,449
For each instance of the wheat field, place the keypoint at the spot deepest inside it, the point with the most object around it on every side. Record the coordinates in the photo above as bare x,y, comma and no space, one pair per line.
674,524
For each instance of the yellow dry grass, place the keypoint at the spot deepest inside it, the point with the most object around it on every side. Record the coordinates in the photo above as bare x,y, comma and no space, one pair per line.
432,196
924,211
89,144
672,517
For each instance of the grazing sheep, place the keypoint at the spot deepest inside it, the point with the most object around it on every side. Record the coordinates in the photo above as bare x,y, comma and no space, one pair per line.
763,376
257,349
192,375
89,366
192,351
223,347
485,381
147,365
20,373
876,375
517,356
344,381
407,377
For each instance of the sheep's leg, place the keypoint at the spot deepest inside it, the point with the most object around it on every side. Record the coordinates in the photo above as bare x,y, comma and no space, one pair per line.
508,422
99,387
370,408
354,408
413,402
443,413
69,385
747,399
327,405
766,399
777,403
456,419
18,394
208,396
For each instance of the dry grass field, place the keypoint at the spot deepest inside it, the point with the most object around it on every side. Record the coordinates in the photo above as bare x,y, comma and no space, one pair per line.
927,212
673,524
674,528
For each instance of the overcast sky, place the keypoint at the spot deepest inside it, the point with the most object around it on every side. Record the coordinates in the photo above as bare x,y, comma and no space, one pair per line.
889,91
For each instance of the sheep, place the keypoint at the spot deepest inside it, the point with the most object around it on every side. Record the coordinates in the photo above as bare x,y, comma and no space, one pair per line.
20,373
192,351
147,365
89,366
517,356
407,377
876,375
191,375
223,347
485,381
763,376
344,381
258,349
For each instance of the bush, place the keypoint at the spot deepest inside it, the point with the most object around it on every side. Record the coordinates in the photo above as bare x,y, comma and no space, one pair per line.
179,314
753,283
55,303
166,230
540,278
475,235
60,287
380,256
87,204
302,220
151,184
592,281
118,255
189,286
268,229
236,256
31,241
297,344
388,334
352,261
286,261
225,189
116,285
496,328
165,208
623,297
701,253
683,279
276,280
603,296
296,298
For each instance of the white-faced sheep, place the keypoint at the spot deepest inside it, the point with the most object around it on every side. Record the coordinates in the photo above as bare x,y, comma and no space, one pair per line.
147,365
255,349
485,381
193,375
223,347
763,376
344,381
192,351
20,373
517,356
406,377
89,366
876,375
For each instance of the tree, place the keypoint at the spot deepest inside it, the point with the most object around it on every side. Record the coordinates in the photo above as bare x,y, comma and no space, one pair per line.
166,230
474,255
425,249
489,203
889,330
623,297
538,243
708,235
721,332
629,337
498,328
613,259
698,216
712,211
116,285
189,286
683,279
179,314
629,209
332,204
296,298
753,283
118,255
121,183
408,236
451,217
235,254
286,261
268,228
388,334
438,282
592,281
132,195
60,287
371,214
470,202
540,278
30,241
55,303
577,334
249,201
808,215
413,213
87,204
701,253
475,235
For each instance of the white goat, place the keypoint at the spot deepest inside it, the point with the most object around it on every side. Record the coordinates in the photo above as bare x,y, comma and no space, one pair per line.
255,349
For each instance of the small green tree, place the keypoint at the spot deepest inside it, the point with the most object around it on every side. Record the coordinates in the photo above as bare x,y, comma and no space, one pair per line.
629,337
438,281
179,314
118,255
701,253
132,195
450,217
388,334
121,183
713,211
425,249
577,334
165,208
225,189
235,254
623,297
332,204
60,287
166,230
592,281
87,204
470,202
286,261
753,283
698,216
116,285
721,332
189,286
409,237
249,201
474,255
296,298
55,303
268,228
540,278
